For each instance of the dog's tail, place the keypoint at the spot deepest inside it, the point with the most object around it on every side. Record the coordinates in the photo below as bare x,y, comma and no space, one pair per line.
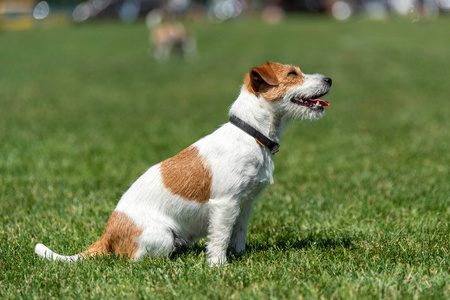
44,252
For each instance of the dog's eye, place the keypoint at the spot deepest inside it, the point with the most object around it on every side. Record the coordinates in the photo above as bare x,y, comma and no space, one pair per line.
293,73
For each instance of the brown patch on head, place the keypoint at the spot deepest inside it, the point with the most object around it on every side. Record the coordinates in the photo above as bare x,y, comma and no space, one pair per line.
119,237
273,80
187,176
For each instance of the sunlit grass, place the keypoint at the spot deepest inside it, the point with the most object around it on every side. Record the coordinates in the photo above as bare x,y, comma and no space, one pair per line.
360,204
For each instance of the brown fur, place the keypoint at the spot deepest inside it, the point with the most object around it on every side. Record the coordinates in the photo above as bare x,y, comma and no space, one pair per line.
187,176
119,237
274,80
168,33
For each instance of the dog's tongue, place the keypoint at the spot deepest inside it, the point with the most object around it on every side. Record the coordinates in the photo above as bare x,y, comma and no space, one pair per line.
323,102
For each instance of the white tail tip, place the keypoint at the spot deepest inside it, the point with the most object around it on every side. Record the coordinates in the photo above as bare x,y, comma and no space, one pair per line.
45,252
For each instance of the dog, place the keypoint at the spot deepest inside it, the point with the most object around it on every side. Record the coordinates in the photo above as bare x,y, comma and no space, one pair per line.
172,39
209,188
169,38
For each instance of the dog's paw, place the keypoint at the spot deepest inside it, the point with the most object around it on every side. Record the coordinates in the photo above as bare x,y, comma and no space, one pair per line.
239,249
217,261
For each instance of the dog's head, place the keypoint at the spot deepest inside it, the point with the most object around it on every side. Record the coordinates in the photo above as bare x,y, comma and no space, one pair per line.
288,90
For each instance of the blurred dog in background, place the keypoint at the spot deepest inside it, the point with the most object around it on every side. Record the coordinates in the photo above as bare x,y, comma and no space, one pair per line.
169,38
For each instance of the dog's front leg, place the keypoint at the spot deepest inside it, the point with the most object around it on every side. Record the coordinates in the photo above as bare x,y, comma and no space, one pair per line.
239,235
222,217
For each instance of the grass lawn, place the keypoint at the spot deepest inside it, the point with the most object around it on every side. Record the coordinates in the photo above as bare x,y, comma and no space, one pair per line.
360,204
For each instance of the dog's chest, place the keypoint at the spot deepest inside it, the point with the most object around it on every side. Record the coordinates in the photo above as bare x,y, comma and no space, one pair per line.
239,166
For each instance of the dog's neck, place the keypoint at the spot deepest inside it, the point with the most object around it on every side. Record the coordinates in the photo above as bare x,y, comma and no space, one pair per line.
259,114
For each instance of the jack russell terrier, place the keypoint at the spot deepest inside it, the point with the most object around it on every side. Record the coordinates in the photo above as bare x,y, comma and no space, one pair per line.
209,188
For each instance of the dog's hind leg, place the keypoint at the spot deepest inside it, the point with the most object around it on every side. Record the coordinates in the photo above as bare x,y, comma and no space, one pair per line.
155,242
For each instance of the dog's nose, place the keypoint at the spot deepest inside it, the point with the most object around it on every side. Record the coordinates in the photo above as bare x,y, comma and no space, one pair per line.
328,80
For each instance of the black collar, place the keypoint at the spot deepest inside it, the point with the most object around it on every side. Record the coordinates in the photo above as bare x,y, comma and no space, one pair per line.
259,137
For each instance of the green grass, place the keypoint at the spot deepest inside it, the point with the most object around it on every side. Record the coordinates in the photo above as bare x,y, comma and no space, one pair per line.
360,204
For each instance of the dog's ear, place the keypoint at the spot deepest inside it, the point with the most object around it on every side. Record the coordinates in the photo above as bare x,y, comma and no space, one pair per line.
263,74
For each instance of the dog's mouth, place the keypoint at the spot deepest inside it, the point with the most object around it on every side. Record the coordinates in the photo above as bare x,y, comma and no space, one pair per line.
310,102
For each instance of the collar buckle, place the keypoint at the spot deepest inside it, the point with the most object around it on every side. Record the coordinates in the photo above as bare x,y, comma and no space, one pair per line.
275,149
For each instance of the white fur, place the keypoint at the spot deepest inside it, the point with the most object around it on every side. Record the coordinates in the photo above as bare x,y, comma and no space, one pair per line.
44,252
240,169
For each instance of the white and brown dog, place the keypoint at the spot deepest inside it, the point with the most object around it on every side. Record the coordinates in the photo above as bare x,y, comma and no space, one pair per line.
209,188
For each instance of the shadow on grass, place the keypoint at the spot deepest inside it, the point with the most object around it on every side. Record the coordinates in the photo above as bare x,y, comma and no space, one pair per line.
196,249
283,243
311,241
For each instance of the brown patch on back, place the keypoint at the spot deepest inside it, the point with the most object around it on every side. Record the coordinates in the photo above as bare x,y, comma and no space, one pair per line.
273,92
119,237
166,33
187,176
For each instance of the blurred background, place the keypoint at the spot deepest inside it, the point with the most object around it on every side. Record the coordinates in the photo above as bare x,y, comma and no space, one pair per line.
23,14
